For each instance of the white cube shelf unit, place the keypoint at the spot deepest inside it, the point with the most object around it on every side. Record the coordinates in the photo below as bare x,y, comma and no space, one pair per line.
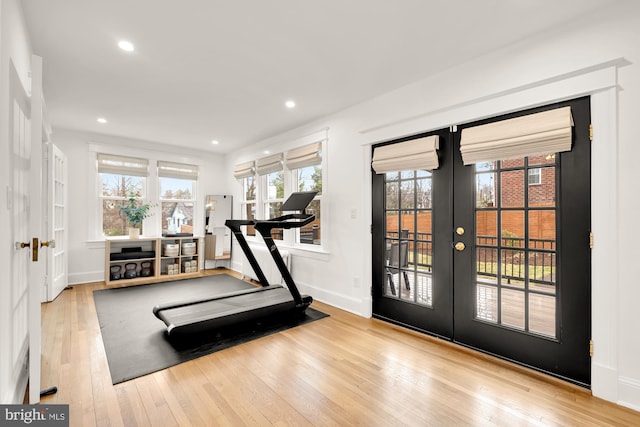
151,259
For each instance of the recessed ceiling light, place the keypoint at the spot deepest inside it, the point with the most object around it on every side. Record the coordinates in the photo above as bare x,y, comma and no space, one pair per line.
102,120
215,142
126,46
290,104
266,151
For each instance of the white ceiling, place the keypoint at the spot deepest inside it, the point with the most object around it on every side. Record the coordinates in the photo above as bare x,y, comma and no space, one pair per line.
213,69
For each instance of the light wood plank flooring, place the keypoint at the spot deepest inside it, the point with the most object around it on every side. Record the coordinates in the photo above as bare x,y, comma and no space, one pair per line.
341,370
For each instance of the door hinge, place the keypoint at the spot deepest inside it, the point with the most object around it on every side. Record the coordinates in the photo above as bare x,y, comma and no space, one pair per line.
590,132
590,348
591,240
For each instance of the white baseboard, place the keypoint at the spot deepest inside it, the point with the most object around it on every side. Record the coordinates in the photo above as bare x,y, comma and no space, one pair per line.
16,396
629,394
85,277
604,382
360,307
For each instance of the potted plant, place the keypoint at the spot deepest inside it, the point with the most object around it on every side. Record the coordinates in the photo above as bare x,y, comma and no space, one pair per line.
135,213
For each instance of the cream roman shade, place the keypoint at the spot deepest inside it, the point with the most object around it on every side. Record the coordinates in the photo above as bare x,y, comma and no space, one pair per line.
269,164
244,170
416,154
539,133
177,170
121,165
308,155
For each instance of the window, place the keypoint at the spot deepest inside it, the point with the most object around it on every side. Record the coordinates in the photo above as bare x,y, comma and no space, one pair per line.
274,184
309,178
249,202
271,170
246,173
279,175
177,196
535,176
305,164
120,178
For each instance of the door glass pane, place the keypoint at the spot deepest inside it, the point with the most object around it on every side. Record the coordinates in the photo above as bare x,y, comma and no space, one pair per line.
407,195
542,271
512,229
487,303
392,195
512,163
542,309
392,224
542,229
516,243
543,194
486,166
512,189
512,303
407,221
513,267
487,227
423,193
487,265
391,266
409,240
485,190
542,159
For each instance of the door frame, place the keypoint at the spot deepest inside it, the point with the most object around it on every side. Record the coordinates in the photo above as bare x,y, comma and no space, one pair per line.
600,81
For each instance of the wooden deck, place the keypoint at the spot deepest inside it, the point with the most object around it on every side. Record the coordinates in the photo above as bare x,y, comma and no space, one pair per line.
341,370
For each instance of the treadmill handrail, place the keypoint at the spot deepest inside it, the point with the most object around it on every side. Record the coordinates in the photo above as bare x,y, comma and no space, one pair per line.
285,221
234,225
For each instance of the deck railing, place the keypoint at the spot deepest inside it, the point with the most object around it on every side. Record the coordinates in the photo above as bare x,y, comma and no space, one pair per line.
541,256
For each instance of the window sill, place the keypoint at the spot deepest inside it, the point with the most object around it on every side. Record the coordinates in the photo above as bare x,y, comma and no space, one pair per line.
304,251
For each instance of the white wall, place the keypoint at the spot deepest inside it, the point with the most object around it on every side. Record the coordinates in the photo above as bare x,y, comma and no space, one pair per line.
597,54
14,46
86,251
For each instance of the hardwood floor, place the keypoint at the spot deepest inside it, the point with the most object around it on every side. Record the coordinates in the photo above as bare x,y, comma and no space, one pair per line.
341,370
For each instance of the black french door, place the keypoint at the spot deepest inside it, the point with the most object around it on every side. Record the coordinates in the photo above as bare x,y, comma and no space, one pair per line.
494,256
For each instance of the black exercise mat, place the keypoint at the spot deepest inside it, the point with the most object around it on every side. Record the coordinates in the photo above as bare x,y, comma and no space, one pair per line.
135,341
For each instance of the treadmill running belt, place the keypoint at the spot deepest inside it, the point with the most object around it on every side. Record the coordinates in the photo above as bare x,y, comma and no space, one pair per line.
220,313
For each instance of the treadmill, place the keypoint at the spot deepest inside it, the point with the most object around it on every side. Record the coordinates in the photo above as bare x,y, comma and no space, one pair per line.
248,305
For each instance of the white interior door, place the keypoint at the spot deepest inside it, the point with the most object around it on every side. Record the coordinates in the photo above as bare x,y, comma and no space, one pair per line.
36,268
18,203
56,220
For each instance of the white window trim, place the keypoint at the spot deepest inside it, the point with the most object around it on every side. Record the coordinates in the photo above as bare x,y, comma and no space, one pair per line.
538,174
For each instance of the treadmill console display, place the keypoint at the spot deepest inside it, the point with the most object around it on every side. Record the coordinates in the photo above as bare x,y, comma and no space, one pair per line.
298,201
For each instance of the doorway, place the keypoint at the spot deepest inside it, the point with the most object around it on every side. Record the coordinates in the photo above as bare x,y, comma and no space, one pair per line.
492,255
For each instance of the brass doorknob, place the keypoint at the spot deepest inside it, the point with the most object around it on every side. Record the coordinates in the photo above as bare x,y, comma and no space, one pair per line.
22,245
49,244
459,246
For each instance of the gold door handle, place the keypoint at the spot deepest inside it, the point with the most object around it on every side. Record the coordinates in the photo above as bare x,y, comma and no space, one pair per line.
22,245
34,245
50,244
459,246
